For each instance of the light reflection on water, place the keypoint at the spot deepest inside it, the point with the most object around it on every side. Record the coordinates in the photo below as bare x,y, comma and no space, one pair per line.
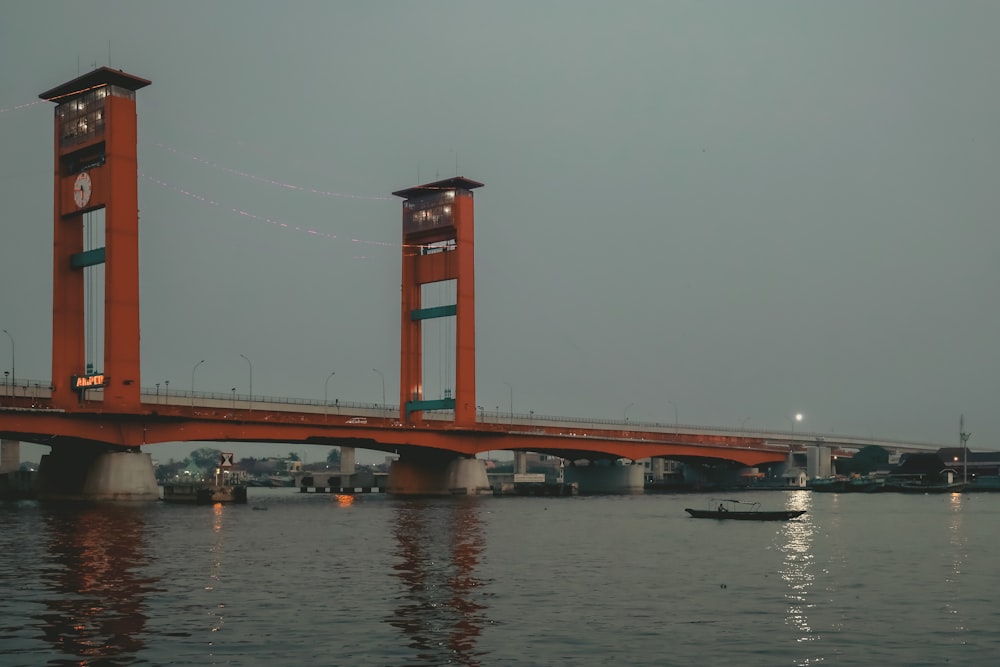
94,596
859,579
438,549
799,561
958,543
218,562
956,536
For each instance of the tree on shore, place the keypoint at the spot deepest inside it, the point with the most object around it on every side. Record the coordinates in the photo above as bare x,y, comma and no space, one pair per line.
206,458
868,459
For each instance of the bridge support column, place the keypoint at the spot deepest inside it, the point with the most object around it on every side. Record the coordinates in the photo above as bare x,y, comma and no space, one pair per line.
85,473
10,455
438,476
819,461
348,466
520,462
658,468
620,479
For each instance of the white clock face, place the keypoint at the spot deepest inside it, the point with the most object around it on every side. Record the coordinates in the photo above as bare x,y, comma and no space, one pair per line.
81,190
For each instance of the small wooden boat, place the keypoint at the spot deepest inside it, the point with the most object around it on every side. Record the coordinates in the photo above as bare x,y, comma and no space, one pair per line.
742,511
829,484
926,487
943,482
853,484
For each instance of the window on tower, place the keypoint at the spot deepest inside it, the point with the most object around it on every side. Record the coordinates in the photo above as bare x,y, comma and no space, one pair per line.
81,118
428,212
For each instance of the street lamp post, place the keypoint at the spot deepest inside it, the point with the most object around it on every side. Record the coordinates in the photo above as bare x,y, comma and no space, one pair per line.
13,375
251,380
382,377
166,391
234,397
964,437
192,380
797,417
157,392
625,411
511,401
326,388
676,419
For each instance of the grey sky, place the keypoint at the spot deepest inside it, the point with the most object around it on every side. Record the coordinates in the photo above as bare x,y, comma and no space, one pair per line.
736,209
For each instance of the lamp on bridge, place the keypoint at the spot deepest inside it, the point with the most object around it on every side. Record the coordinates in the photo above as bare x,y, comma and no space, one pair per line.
625,411
511,401
383,385
13,377
676,418
796,418
326,389
192,380
251,380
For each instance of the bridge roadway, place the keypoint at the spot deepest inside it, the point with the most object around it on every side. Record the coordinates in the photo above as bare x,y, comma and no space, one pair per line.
182,416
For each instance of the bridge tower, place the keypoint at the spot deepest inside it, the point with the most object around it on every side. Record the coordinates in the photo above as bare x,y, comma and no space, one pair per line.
96,223
438,246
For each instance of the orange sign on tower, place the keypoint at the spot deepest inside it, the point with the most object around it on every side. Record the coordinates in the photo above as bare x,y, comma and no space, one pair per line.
96,169
438,246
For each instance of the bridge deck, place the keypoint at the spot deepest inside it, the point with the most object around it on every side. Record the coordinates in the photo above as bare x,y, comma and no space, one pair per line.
186,416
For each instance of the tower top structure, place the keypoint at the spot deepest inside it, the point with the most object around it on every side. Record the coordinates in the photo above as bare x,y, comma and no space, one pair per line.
455,183
102,76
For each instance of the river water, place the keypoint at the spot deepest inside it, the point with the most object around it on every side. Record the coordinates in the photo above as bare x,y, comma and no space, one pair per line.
296,579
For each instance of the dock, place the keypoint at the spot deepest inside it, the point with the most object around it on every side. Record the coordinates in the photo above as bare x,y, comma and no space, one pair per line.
195,493
336,482
530,484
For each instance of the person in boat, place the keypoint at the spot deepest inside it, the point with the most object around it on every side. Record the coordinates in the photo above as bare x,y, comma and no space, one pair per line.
722,508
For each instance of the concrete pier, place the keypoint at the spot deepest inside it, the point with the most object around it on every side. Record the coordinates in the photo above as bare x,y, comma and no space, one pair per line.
819,460
10,455
520,462
86,473
598,478
438,476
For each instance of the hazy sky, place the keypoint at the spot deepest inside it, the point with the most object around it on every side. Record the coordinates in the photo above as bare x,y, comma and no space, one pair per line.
738,210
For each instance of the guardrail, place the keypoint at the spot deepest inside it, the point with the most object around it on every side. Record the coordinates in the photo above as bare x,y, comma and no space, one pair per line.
43,389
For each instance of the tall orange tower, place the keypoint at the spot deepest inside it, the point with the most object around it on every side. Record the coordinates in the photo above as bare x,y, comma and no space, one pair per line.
437,246
96,168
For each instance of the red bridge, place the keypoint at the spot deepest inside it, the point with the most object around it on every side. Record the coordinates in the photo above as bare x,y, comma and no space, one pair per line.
95,422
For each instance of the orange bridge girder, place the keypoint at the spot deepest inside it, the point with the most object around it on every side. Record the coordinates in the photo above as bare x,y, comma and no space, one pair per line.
173,423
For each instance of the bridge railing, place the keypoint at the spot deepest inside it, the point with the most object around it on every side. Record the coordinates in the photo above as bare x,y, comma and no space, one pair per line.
257,398
501,417
26,387
42,389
